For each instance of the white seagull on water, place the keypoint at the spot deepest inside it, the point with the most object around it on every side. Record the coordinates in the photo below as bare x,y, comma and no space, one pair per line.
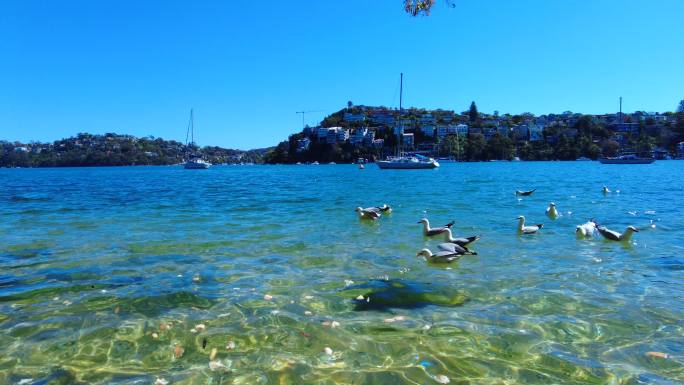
448,252
522,229
551,211
461,241
615,236
432,231
373,213
586,230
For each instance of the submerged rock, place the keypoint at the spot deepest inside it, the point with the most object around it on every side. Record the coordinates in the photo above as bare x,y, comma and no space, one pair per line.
394,293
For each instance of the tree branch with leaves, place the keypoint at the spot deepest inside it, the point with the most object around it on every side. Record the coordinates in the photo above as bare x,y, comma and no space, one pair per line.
422,7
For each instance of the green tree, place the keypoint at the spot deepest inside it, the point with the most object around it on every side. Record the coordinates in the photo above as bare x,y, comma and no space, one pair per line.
645,144
475,147
473,114
454,145
610,148
500,147
422,7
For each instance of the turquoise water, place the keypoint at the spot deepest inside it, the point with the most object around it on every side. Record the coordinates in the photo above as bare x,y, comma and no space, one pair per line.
106,274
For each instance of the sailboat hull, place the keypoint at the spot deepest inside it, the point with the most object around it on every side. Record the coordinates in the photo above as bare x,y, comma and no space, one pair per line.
394,165
195,165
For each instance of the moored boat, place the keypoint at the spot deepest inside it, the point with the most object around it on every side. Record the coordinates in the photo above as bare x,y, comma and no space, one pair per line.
411,162
402,161
627,159
195,161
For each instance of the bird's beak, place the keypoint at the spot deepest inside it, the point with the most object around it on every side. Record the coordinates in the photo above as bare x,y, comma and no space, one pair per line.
636,230
419,222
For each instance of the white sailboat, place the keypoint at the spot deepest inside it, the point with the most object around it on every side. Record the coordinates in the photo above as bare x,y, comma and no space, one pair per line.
403,161
195,161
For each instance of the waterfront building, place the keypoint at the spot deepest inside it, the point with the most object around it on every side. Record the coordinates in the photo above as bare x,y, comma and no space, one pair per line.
521,132
625,127
446,116
303,144
489,132
350,117
427,119
407,141
342,135
321,133
358,137
382,117
428,129
536,133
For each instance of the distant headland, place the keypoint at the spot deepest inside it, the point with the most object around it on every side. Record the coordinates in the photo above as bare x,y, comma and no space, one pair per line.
374,132
111,149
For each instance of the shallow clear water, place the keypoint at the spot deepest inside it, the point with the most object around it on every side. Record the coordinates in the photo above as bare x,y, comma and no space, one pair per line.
94,261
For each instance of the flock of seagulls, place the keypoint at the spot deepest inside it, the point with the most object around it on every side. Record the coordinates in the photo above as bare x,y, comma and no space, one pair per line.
454,247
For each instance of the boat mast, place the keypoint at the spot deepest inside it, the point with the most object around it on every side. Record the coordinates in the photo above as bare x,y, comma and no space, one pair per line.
620,117
192,126
400,134
401,89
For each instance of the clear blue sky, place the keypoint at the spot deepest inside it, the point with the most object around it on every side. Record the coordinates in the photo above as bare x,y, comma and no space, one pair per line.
137,67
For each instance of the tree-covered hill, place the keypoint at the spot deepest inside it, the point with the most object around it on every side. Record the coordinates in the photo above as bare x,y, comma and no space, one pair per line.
114,150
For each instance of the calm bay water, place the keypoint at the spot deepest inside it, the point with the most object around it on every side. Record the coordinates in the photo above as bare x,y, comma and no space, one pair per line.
270,258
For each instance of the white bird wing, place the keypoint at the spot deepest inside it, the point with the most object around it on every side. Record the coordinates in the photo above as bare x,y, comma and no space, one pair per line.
451,247
444,256
436,231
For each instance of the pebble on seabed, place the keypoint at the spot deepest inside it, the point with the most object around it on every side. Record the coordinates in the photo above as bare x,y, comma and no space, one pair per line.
215,365
395,319
658,354
268,297
231,345
328,351
442,379
178,351
164,326
212,356
155,335
160,381
309,313
200,327
332,324
360,298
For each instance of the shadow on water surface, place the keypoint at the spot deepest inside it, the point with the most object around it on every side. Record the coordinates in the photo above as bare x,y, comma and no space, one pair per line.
394,293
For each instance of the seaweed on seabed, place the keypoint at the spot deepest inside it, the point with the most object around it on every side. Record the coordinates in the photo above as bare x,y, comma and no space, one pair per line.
381,294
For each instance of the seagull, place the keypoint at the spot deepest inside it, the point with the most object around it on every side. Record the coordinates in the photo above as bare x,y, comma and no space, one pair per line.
385,208
522,229
431,232
525,193
446,246
605,190
461,241
615,236
368,213
586,230
551,211
445,255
